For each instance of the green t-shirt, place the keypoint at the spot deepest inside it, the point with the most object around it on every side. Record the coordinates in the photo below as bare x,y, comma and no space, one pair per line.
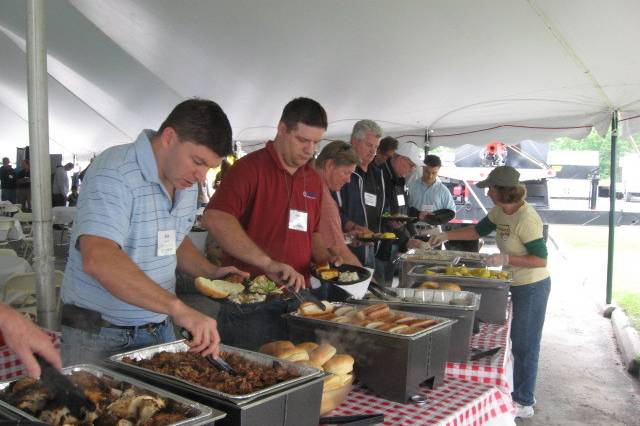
518,234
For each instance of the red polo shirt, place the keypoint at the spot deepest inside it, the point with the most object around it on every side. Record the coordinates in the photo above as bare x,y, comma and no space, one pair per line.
259,192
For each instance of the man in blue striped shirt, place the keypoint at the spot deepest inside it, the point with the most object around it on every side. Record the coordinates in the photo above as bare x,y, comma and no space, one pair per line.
130,233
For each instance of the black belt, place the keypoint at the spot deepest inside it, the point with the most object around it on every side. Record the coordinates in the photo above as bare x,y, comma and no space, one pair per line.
91,321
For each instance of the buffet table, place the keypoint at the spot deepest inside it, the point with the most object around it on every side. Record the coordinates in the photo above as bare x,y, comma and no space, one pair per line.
496,370
454,403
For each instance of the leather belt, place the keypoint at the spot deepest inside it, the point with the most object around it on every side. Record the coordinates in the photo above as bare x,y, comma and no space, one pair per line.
91,321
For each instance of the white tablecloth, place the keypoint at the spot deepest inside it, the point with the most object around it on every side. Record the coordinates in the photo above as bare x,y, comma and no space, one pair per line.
14,232
63,215
10,265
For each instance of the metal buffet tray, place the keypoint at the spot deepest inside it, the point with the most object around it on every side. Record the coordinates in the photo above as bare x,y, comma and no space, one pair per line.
444,256
306,373
206,414
442,323
418,272
419,297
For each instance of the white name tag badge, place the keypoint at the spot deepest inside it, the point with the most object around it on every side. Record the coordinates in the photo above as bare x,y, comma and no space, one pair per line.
427,208
370,199
401,202
166,242
298,220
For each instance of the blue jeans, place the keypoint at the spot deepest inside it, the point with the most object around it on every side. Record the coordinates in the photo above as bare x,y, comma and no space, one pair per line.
79,346
529,308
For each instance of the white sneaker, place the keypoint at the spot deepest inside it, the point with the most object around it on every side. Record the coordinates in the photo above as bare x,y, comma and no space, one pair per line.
524,411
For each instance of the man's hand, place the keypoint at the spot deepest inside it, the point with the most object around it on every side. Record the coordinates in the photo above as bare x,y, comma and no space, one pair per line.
497,260
335,260
437,239
423,215
203,328
281,272
223,271
25,339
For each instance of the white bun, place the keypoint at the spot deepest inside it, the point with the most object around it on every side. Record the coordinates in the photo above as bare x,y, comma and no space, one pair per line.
339,364
218,289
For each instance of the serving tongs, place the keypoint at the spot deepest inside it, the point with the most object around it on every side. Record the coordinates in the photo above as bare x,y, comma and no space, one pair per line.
218,363
63,390
305,295
383,292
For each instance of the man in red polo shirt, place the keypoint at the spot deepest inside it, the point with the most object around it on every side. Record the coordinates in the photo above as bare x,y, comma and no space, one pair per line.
265,214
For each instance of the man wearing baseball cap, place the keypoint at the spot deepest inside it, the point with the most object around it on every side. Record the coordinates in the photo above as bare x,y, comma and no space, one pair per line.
523,253
395,170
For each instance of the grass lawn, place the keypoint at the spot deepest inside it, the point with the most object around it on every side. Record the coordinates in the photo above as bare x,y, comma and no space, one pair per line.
589,243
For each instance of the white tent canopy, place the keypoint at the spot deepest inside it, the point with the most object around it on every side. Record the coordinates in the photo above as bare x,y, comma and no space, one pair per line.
447,67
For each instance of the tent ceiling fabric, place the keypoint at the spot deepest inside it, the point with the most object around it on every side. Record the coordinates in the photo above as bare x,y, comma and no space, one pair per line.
450,66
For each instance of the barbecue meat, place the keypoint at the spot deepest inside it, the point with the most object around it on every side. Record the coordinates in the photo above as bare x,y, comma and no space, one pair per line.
194,368
117,403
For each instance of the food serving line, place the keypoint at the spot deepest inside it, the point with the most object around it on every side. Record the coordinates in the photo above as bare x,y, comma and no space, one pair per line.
457,393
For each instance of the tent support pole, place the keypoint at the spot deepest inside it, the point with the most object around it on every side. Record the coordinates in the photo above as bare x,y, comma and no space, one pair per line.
43,260
612,204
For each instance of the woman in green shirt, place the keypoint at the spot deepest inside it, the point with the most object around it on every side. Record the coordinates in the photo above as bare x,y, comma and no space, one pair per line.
523,252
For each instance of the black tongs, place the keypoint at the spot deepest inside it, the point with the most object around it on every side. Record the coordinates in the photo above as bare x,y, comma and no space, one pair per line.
357,420
63,390
305,295
218,363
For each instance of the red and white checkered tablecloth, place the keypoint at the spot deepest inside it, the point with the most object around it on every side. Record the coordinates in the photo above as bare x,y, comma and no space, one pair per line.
495,370
453,403
11,367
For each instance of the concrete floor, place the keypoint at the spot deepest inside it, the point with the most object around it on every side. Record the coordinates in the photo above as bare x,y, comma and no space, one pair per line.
581,380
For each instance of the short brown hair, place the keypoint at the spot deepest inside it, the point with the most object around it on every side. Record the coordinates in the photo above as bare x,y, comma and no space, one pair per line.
340,152
202,122
388,144
510,194
305,111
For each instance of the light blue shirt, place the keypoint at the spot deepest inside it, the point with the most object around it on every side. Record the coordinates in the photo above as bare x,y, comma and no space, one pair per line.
436,195
123,200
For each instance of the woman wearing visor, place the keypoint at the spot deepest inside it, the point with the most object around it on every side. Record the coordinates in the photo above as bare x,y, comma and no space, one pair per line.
523,252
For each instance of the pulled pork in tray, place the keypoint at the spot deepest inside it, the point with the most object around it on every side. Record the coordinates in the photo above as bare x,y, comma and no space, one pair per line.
194,368
116,403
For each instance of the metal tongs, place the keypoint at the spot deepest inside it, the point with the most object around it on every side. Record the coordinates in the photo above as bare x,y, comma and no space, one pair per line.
218,363
305,295
64,391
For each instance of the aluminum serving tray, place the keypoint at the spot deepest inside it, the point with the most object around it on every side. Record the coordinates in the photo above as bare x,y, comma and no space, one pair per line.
444,256
418,272
442,323
420,297
206,414
306,373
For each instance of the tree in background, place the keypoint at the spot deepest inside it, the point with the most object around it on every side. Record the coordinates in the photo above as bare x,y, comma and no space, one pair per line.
595,142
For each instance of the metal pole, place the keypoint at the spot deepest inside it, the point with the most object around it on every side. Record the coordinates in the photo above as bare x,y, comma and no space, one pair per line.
612,203
43,260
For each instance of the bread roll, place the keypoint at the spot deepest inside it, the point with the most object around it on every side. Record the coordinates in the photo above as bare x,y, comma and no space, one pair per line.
309,309
332,382
373,308
339,364
276,346
430,284
450,287
322,354
295,354
386,326
218,289
405,320
423,323
379,313
307,346
374,324
347,379
344,310
308,363
342,319
397,327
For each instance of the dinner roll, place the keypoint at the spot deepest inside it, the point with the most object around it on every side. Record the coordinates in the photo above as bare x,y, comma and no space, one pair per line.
276,346
307,346
339,364
322,354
